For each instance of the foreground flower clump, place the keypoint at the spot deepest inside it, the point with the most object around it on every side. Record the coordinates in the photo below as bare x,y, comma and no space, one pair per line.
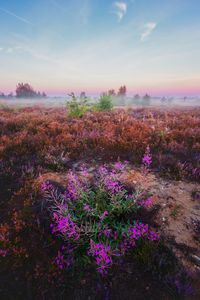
95,217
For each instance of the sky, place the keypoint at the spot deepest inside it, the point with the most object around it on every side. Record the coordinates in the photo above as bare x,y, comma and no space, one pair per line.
60,46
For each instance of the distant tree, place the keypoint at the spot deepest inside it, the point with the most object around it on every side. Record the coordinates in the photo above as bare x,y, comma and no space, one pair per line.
136,99
2,95
44,94
10,95
146,99
83,95
122,91
24,90
111,92
121,95
136,96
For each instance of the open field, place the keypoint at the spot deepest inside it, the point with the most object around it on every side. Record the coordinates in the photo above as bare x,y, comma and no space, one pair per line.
108,203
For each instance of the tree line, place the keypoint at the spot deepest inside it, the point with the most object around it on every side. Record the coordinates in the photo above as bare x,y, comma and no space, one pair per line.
24,90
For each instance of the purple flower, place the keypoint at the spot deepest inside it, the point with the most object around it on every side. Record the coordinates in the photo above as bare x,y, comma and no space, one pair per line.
65,257
147,158
65,226
107,232
113,186
126,245
47,186
147,203
102,255
74,187
102,171
138,231
153,236
119,166
60,261
87,208
104,215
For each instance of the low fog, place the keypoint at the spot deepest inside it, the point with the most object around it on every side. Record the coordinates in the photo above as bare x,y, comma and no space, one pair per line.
117,101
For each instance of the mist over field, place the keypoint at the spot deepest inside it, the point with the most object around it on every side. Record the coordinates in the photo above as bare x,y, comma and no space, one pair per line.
117,102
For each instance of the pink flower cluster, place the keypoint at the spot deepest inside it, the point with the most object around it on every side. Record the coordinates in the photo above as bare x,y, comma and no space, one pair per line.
103,171
65,257
126,244
74,187
135,233
147,203
87,208
147,159
142,230
153,236
138,231
60,261
120,166
113,186
104,215
65,226
47,186
102,256
110,179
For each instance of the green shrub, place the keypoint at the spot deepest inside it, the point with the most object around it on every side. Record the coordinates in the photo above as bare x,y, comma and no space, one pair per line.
105,103
77,107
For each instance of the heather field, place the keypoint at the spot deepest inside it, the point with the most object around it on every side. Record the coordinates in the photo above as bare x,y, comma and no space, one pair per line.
99,150
105,205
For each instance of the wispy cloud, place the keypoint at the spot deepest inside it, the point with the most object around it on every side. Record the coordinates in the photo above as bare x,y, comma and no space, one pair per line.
148,29
121,9
32,51
11,49
16,16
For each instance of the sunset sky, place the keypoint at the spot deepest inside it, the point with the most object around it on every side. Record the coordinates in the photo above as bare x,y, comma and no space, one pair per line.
92,45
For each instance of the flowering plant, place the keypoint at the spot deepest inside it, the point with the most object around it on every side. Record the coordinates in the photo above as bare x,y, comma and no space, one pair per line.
95,217
147,160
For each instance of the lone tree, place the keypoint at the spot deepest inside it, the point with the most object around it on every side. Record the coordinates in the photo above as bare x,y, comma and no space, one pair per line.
83,95
122,91
25,90
136,96
111,92
44,94
146,99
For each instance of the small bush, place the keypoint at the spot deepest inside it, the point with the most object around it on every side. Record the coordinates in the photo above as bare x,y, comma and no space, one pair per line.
105,103
77,108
